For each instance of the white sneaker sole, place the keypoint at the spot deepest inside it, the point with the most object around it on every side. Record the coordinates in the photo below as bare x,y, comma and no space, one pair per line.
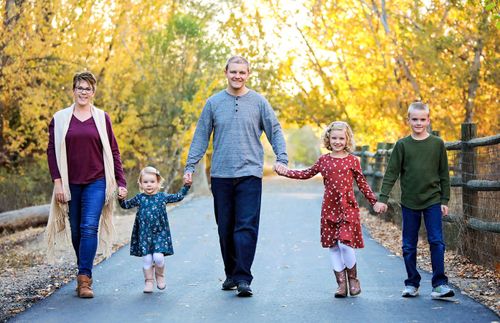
447,295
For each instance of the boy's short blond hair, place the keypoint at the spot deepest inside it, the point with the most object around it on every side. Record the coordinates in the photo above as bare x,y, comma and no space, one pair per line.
417,105
150,170
339,125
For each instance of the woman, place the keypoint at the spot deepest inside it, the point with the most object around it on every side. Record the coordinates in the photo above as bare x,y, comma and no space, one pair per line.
84,162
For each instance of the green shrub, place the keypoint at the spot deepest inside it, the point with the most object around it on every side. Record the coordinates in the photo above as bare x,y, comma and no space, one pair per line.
28,185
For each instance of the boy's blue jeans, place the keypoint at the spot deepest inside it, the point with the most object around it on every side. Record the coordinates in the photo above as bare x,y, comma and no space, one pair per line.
85,207
433,224
237,213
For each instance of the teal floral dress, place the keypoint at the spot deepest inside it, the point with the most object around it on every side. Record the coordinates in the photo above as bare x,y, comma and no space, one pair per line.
151,232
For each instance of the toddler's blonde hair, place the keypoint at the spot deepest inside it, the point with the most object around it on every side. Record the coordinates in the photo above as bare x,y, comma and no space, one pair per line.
153,171
339,125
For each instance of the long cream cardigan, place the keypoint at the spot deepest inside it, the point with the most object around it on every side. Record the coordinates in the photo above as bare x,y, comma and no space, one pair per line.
58,224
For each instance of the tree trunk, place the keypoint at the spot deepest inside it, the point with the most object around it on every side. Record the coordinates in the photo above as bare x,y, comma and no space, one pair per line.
401,62
332,89
10,15
474,70
24,218
2,140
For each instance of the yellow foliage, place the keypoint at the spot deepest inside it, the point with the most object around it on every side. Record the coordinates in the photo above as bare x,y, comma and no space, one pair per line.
158,61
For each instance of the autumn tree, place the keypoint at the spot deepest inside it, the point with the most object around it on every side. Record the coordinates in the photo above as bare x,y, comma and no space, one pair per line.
365,61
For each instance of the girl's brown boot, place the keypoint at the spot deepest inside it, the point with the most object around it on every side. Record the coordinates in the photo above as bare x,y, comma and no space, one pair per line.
342,283
352,276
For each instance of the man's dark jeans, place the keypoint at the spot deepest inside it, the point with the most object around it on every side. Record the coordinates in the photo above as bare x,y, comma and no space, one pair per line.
237,213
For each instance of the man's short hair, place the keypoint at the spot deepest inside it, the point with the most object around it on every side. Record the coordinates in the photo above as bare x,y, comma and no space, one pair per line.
238,60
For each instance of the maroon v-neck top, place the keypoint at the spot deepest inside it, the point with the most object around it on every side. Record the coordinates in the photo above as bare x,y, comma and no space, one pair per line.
84,152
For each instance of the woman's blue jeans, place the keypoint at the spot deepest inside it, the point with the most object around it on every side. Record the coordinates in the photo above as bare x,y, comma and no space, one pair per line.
433,224
85,207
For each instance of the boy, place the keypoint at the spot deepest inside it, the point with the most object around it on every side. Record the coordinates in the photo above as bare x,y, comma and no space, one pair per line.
420,159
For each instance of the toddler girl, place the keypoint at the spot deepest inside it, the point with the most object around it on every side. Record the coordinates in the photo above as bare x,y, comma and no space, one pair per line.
340,221
151,238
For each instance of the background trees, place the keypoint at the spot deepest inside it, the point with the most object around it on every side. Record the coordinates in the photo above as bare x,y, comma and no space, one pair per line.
365,61
157,61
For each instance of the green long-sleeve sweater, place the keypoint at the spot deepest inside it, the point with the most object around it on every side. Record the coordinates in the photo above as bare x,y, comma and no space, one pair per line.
423,167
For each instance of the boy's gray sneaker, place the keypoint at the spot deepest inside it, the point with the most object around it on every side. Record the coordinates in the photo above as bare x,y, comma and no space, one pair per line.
442,291
410,291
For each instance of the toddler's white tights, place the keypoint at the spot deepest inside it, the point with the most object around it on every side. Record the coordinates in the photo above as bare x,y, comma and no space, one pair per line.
342,256
157,258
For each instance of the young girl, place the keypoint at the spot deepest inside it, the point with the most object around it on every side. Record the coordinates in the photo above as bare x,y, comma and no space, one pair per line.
151,238
340,222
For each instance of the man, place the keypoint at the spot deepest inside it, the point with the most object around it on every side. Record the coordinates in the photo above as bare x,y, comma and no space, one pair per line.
237,116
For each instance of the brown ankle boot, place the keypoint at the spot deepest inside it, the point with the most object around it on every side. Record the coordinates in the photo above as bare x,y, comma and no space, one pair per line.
148,280
160,277
342,282
84,286
352,276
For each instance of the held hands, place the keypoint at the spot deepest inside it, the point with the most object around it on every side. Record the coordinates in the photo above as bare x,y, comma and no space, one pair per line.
122,193
188,179
380,207
280,169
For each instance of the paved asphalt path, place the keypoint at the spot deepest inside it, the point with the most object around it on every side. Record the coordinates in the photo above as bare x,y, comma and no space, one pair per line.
293,280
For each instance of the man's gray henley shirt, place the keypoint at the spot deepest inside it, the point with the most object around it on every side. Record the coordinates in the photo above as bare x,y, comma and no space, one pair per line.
237,123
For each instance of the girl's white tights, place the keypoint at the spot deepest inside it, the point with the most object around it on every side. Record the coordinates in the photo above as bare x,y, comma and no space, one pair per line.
157,258
342,256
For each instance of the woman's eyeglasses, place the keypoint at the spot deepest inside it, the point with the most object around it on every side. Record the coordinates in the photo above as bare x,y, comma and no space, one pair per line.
80,89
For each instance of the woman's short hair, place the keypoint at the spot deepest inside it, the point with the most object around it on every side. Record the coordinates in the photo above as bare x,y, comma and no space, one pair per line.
152,171
85,76
339,125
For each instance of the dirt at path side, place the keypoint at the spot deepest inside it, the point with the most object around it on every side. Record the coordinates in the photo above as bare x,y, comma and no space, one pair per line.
25,275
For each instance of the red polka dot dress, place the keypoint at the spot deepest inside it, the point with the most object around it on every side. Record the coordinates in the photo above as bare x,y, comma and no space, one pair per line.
340,219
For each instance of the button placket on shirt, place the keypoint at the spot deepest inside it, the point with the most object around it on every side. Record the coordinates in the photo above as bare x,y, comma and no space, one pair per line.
236,104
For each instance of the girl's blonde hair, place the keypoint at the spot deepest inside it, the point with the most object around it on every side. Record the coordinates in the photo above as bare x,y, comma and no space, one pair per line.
153,171
339,125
